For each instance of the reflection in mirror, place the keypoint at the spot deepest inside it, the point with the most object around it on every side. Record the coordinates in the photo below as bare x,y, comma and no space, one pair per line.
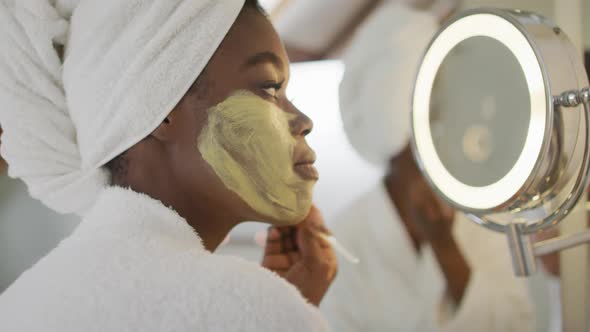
480,111
491,82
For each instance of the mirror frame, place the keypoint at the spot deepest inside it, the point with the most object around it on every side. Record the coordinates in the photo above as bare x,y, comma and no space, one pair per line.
549,63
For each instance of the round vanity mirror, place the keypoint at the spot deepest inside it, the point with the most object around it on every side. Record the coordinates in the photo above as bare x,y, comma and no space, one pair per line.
499,124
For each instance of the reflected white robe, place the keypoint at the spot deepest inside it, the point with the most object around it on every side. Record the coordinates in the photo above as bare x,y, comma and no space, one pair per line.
135,265
395,289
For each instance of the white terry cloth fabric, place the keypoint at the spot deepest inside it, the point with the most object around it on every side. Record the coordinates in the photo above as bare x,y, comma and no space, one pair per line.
395,289
376,90
126,65
313,25
135,265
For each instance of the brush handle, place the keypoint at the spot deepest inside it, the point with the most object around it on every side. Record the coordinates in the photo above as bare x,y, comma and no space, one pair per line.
339,248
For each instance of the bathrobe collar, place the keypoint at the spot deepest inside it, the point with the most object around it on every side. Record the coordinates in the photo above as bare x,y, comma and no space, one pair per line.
134,213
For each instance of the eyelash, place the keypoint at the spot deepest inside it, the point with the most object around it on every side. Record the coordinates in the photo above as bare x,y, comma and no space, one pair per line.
272,85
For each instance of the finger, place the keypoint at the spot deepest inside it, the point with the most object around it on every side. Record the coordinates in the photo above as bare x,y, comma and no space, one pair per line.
315,221
287,239
285,231
324,244
274,234
293,239
273,248
311,247
288,244
308,243
281,273
276,262
294,256
273,242
322,229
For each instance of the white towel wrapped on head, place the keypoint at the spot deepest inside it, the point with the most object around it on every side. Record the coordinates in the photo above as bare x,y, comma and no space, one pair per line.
126,65
376,90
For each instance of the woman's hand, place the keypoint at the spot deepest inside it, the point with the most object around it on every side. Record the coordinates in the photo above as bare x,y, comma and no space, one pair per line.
299,255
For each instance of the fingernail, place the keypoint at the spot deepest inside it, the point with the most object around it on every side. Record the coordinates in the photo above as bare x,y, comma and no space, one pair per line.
274,233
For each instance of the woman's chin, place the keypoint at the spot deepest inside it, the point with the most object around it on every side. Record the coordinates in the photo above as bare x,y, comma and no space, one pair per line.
289,217
297,216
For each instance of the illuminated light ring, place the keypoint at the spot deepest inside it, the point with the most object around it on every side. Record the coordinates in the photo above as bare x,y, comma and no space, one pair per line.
495,194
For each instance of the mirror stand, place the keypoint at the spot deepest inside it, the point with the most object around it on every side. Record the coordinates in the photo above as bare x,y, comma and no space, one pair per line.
523,251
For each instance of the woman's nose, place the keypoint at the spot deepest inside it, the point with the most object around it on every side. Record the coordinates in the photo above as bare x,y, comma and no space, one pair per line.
302,125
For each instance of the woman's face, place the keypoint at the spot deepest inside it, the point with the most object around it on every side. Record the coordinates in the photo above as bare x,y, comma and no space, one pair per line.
242,148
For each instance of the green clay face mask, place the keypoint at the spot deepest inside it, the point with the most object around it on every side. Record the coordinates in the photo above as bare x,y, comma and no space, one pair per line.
248,143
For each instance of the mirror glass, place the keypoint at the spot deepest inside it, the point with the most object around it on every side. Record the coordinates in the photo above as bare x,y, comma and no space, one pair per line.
479,111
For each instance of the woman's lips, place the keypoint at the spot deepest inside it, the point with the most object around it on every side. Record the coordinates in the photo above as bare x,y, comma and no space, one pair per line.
307,171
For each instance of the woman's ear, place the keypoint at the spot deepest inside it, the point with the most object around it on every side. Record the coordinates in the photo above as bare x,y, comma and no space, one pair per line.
168,127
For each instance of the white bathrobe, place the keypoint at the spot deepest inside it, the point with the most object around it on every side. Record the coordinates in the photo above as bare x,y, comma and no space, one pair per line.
395,289
135,265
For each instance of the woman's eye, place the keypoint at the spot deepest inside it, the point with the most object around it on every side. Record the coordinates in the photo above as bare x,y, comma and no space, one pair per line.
271,91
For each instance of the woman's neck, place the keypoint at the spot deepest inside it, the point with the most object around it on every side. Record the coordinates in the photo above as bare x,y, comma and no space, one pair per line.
210,220
211,224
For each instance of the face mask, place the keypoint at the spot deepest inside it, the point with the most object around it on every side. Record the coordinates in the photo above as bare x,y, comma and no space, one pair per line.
248,143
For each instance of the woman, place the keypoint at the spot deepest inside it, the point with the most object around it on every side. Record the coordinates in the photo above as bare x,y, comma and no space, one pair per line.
183,103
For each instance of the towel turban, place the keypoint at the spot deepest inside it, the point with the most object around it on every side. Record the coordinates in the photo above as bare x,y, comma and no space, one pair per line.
376,90
127,63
